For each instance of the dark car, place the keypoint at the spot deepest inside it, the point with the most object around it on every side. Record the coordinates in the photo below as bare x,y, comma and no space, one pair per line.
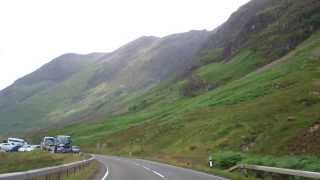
63,144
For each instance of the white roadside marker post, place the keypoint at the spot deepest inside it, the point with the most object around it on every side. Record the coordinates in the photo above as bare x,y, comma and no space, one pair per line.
210,161
211,164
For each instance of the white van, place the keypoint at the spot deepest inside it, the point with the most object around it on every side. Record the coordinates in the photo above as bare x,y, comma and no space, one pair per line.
16,141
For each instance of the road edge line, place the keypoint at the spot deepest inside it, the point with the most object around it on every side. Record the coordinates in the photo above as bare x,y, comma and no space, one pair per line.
106,175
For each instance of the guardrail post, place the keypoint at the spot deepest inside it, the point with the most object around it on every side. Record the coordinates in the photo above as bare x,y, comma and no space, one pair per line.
59,176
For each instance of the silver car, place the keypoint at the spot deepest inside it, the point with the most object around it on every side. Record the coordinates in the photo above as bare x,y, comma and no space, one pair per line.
75,149
26,148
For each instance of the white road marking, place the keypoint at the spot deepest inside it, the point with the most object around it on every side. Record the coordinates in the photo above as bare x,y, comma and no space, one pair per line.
153,171
159,174
106,175
138,164
147,168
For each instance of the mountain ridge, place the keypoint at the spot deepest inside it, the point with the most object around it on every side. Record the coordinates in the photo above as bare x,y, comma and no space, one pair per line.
71,83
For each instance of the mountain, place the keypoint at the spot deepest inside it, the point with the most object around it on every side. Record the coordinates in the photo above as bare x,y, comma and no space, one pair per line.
15,104
252,86
47,76
75,87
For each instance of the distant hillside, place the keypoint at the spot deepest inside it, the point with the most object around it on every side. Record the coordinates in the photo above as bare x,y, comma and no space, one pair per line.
15,100
44,78
75,87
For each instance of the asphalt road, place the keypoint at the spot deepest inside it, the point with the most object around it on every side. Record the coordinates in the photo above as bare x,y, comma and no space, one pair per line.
136,169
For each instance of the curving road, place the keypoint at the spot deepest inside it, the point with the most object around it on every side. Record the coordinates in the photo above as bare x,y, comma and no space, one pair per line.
136,169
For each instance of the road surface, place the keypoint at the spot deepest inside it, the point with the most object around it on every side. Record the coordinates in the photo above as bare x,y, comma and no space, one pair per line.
136,169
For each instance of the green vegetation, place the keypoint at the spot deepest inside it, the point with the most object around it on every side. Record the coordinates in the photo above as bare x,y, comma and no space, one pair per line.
14,162
220,73
227,159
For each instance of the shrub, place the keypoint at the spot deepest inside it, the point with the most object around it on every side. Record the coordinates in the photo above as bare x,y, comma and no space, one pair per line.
194,86
227,159
307,163
262,161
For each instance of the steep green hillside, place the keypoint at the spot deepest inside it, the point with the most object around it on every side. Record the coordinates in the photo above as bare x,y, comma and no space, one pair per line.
273,110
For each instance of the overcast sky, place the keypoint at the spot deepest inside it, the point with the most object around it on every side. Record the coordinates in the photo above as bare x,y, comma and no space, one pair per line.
33,32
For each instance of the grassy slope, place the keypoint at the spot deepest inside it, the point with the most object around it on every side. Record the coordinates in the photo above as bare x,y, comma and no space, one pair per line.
244,113
13,162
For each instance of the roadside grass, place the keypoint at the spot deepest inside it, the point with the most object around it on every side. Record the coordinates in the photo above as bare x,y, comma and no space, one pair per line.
228,159
198,164
86,173
15,162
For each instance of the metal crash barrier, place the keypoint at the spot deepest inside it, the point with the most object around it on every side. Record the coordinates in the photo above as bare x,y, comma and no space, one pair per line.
49,173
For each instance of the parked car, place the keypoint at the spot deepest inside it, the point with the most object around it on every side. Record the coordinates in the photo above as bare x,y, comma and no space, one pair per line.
75,149
26,148
9,147
48,143
5,147
17,141
63,144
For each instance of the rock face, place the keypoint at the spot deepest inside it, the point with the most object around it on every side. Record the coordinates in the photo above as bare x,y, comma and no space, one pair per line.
272,27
